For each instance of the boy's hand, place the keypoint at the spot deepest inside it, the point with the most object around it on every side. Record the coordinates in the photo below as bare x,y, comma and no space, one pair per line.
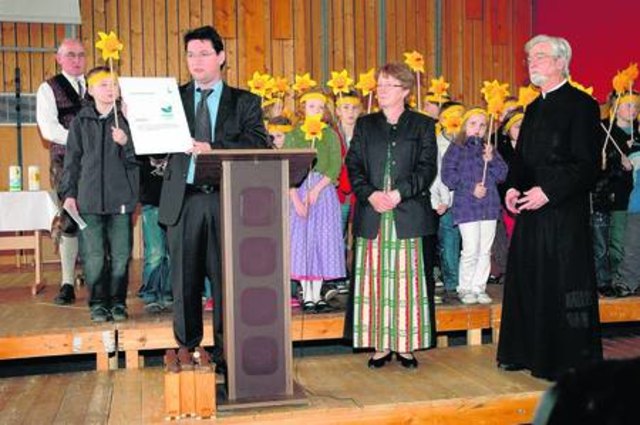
119,136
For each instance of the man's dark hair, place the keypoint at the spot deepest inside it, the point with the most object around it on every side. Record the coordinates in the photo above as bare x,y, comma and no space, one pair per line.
205,33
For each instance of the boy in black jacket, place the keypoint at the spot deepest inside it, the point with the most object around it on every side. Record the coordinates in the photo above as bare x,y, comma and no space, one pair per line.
101,182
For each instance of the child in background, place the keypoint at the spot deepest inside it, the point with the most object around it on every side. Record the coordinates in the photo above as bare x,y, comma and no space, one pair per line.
278,127
472,169
442,201
317,247
101,182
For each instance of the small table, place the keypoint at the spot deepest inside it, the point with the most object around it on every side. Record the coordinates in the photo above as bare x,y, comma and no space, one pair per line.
27,212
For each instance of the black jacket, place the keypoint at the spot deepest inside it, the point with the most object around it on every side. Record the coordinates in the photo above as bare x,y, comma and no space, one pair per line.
239,125
102,175
413,155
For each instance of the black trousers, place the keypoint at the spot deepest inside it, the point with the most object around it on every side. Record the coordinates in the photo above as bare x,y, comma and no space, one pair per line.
194,249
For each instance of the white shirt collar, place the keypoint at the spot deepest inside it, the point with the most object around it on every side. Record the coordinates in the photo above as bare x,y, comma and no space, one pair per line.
544,94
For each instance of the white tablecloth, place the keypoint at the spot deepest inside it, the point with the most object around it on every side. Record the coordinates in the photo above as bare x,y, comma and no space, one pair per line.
24,211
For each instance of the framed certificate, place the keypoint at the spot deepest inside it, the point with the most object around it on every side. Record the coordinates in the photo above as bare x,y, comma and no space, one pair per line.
155,114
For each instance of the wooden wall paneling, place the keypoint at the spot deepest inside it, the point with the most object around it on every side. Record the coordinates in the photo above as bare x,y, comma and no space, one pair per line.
500,15
401,24
422,23
428,33
300,50
49,61
277,58
523,30
474,9
174,41
337,43
111,17
225,17
148,38
371,41
99,24
195,13
36,60
412,28
2,54
458,54
124,34
183,25
232,76
137,52
252,42
10,58
289,68
207,12
161,35
281,19
315,31
87,33
265,16
390,25
350,39
361,32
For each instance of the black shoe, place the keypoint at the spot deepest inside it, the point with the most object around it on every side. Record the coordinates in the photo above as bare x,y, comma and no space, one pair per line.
322,306
119,313
621,290
309,306
100,315
510,367
409,363
153,308
379,362
66,295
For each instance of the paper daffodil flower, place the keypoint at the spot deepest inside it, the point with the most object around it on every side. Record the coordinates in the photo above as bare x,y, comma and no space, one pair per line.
452,123
312,127
110,45
303,83
493,89
261,84
280,86
367,82
495,106
526,95
587,90
340,82
631,72
415,61
621,82
439,86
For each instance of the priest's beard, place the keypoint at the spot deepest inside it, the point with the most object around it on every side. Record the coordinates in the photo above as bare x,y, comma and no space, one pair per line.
538,80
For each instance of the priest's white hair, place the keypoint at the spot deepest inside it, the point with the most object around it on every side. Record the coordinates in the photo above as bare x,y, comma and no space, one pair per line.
560,48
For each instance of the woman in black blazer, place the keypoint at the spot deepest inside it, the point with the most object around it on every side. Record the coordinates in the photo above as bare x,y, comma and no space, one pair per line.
391,163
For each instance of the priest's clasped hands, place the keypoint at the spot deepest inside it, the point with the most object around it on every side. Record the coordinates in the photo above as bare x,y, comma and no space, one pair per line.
383,201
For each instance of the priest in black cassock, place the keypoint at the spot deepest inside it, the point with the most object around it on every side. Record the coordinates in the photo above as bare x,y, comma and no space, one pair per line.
550,319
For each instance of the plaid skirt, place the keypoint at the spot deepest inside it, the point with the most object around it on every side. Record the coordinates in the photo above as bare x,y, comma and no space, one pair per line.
391,307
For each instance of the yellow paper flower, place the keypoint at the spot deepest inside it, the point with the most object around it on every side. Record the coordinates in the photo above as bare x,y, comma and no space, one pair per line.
439,86
526,95
415,61
452,123
493,89
340,82
367,82
495,106
587,90
303,83
312,127
110,45
261,84
280,86
631,72
620,82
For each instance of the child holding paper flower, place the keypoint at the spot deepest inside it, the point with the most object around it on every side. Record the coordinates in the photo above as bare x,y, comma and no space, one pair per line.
317,248
472,169
100,181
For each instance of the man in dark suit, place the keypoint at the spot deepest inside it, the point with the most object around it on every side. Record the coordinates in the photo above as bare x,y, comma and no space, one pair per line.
219,117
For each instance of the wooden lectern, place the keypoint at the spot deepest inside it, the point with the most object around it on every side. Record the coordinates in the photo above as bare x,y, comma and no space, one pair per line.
254,219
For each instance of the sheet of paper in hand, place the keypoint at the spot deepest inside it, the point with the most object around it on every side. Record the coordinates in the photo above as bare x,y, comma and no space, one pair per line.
155,114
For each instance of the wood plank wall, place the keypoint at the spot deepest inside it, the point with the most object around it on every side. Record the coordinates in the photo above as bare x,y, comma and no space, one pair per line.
481,39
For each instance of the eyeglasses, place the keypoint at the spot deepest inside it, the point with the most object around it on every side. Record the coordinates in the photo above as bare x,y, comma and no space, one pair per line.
537,57
74,55
388,86
200,55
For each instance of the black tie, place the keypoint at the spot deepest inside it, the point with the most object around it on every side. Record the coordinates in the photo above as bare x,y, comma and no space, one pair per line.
203,119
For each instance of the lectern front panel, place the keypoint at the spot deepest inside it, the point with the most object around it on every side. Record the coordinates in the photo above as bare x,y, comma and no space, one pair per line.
255,217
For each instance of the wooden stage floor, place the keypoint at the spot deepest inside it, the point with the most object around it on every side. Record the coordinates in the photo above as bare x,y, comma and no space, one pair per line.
451,385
